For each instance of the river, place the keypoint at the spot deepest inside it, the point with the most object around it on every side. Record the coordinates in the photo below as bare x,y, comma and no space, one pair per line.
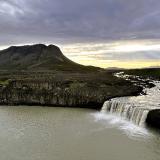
43,133
118,132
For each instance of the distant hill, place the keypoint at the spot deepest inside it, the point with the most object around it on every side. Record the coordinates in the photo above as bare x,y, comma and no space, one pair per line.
114,68
38,57
154,67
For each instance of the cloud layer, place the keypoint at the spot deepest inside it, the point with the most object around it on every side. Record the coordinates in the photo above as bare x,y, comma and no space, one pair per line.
124,53
75,20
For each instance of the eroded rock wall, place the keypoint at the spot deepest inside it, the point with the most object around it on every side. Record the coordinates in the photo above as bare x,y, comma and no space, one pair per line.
65,93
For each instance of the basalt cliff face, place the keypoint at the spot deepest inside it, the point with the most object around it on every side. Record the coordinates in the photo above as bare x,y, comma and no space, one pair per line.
88,90
42,75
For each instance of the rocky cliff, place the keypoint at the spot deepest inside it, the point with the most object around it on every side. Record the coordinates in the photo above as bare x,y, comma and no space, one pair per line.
63,89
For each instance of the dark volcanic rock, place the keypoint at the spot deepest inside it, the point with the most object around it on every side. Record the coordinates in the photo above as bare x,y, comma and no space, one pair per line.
153,118
74,90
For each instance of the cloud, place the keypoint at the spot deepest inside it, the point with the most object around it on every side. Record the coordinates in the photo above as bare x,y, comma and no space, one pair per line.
120,53
73,20
116,50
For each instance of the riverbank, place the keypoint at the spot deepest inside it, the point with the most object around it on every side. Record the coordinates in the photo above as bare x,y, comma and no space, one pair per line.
72,89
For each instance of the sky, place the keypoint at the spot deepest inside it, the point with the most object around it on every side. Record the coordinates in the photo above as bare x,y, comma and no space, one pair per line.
105,33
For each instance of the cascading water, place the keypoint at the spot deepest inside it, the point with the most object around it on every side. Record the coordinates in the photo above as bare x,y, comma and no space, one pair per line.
129,111
134,109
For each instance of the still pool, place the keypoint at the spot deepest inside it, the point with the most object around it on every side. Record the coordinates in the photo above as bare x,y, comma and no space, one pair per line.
43,133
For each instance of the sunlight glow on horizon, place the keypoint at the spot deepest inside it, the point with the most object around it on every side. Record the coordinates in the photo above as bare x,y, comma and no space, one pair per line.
120,64
123,54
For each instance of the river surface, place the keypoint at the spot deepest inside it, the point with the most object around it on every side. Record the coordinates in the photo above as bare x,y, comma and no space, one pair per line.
43,133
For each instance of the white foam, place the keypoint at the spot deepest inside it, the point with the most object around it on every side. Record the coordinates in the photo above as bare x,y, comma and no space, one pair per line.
113,121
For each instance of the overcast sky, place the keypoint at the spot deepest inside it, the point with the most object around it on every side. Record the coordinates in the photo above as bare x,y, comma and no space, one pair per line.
101,27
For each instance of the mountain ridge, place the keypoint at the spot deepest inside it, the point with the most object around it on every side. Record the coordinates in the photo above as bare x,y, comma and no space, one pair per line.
38,57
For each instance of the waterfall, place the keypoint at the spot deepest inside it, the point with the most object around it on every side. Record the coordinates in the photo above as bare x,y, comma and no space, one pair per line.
134,108
129,111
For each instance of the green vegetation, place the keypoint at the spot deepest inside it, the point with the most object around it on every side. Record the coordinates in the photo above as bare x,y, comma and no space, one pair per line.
153,73
4,82
77,85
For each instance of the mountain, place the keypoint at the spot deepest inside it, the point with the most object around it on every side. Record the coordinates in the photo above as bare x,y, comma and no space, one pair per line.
38,57
114,68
